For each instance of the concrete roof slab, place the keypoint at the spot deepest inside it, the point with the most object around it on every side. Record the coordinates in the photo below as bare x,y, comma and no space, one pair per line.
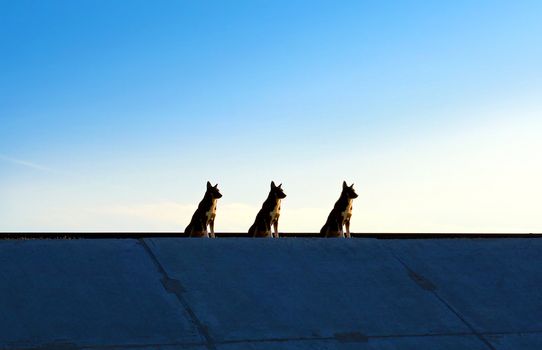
86,293
531,341
150,347
265,289
495,285
403,343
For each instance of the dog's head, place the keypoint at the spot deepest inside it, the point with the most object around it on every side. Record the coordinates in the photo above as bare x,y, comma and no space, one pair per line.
213,190
349,191
277,191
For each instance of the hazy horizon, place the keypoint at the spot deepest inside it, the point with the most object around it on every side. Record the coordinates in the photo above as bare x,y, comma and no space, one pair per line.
114,115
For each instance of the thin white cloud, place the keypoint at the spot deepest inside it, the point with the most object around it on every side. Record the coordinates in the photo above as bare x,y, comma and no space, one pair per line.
169,215
231,217
24,163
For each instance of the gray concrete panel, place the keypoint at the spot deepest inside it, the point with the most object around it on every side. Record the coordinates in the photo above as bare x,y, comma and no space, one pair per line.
264,289
495,285
458,342
68,294
531,341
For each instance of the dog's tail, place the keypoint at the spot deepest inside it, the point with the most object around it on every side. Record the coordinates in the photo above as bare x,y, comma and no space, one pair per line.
252,230
187,231
323,231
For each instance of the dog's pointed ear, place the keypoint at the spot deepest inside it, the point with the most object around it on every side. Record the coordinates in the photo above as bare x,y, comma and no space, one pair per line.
273,184
344,185
280,186
216,186
209,185
352,187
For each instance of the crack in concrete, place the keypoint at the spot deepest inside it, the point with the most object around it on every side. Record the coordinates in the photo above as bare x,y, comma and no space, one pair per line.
351,337
360,338
58,346
174,286
142,346
431,288
421,281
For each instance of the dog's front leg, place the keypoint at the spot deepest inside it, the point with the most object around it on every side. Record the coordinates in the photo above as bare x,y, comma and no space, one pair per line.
212,227
340,228
276,227
341,232
347,225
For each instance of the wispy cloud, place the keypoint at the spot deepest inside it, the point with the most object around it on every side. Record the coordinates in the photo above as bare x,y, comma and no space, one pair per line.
25,163
171,215
231,217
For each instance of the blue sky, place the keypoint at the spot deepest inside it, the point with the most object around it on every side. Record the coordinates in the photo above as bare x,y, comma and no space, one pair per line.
114,114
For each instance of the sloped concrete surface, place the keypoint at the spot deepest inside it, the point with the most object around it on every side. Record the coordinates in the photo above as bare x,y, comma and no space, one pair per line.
68,294
297,293
290,288
516,341
391,343
496,285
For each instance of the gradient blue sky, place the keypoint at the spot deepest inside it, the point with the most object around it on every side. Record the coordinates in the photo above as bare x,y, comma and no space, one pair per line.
114,114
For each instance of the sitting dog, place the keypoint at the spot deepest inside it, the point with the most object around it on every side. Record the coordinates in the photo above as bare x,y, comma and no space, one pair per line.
340,215
269,214
205,214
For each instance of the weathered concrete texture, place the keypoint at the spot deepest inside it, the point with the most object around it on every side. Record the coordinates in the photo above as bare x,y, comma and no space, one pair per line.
516,341
264,294
496,285
178,346
408,343
290,288
74,293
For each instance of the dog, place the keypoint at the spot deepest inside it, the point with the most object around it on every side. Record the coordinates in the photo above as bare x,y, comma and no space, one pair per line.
269,214
340,215
205,214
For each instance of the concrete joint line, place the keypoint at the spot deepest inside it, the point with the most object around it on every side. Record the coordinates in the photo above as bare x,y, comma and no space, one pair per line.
351,337
174,286
425,284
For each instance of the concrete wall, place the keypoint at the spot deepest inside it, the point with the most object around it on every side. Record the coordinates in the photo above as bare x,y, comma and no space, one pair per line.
175,293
